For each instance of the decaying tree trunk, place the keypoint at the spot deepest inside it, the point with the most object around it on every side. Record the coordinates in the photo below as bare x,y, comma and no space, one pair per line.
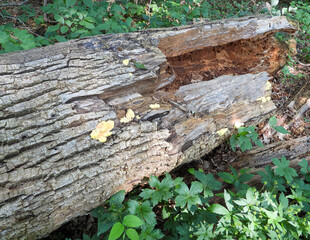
51,98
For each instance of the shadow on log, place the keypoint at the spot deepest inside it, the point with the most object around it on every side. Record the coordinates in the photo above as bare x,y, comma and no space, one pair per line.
51,98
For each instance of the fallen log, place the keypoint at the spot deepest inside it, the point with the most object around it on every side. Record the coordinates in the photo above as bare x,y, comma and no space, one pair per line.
52,98
293,150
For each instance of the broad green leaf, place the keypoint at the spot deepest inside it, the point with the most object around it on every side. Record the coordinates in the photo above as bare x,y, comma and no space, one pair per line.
87,24
196,187
139,65
60,38
227,199
53,28
283,169
219,209
274,3
64,29
70,3
245,177
226,177
146,193
116,231
208,180
59,18
117,198
281,129
283,200
4,37
88,3
234,171
103,226
304,166
90,19
273,121
86,237
183,190
132,234
181,201
104,26
68,22
132,221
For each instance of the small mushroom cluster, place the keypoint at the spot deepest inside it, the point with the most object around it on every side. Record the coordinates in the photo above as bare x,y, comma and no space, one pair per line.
102,131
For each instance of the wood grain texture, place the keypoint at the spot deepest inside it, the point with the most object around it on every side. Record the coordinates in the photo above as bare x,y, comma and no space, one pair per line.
51,98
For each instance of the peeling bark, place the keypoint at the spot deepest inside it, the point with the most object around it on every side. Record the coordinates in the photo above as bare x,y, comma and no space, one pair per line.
51,98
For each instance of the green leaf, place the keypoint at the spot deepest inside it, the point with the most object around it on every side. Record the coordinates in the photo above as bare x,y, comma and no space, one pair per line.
227,199
87,24
104,26
273,121
181,201
59,18
283,169
196,187
132,234
274,3
226,177
283,200
90,19
70,3
304,166
60,38
132,221
103,226
219,209
146,193
88,3
208,180
64,29
246,177
233,142
68,22
4,37
53,28
116,231
139,65
117,198
281,129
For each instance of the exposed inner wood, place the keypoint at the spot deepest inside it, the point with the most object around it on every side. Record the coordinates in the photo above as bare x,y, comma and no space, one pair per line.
235,58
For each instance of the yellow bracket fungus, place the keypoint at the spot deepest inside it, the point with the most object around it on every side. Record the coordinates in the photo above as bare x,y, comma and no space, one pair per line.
126,62
155,106
222,131
102,131
129,116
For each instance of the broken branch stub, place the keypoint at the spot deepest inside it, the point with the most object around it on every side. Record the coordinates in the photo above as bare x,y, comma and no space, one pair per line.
52,98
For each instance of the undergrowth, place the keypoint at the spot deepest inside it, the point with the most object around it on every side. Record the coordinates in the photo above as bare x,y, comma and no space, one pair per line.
223,207
169,209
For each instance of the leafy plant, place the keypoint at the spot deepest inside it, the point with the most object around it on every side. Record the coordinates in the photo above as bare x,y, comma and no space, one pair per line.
273,122
244,139
279,210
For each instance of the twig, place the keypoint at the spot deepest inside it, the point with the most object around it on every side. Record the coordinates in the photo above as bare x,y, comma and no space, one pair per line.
14,5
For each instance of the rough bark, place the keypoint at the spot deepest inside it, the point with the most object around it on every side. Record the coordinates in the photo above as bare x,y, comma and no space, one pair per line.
51,98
